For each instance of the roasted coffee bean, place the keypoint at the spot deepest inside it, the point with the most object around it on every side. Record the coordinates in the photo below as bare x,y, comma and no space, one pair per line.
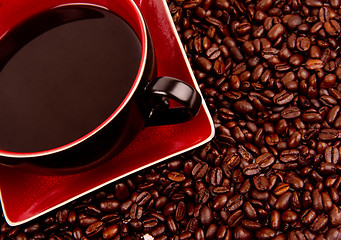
268,53
332,27
204,64
289,216
265,160
327,201
176,177
244,153
289,155
86,221
222,231
160,202
275,220
335,216
265,233
236,54
150,222
205,215
234,203
311,116
213,53
333,114
314,64
243,28
202,196
296,60
281,127
333,195
283,201
295,140
235,218
251,225
303,44
315,51
328,134
264,5
276,31
243,107
111,218
241,233
122,191
251,169
245,186
324,14
143,198
237,176
291,112
282,67
284,97
134,224
293,20
230,162
249,211
238,134
317,200
294,181
261,183
211,231
259,195
158,230
328,101
219,202
319,223
199,170
327,168
199,234
171,225
314,3
192,225
281,188
308,216
180,211
331,155
109,205
337,122
31,228
94,229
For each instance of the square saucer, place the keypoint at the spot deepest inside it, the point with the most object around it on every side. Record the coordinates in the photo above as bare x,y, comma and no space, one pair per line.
25,196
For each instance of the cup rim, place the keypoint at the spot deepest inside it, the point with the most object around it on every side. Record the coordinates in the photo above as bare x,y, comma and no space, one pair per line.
144,42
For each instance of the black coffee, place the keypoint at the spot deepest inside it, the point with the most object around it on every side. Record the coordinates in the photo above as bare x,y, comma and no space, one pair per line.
63,73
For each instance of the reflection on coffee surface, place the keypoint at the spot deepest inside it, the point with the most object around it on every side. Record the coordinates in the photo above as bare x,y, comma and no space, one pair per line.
63,73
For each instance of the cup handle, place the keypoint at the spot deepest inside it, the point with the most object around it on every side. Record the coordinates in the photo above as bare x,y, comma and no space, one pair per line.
158,93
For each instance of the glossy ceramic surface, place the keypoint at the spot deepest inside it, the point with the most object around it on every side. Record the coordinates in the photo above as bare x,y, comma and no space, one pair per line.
25,196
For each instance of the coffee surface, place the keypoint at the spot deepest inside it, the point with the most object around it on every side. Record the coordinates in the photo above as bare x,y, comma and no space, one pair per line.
65,78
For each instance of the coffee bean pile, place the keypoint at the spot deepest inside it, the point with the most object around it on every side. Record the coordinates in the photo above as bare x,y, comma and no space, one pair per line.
270,73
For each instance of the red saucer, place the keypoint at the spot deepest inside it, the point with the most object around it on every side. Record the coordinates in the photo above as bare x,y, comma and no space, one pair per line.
26,196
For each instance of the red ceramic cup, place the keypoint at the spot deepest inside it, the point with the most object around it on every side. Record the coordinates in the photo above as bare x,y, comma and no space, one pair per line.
146,103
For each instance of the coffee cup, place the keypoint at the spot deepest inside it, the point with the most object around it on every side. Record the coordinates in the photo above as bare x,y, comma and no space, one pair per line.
78,81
